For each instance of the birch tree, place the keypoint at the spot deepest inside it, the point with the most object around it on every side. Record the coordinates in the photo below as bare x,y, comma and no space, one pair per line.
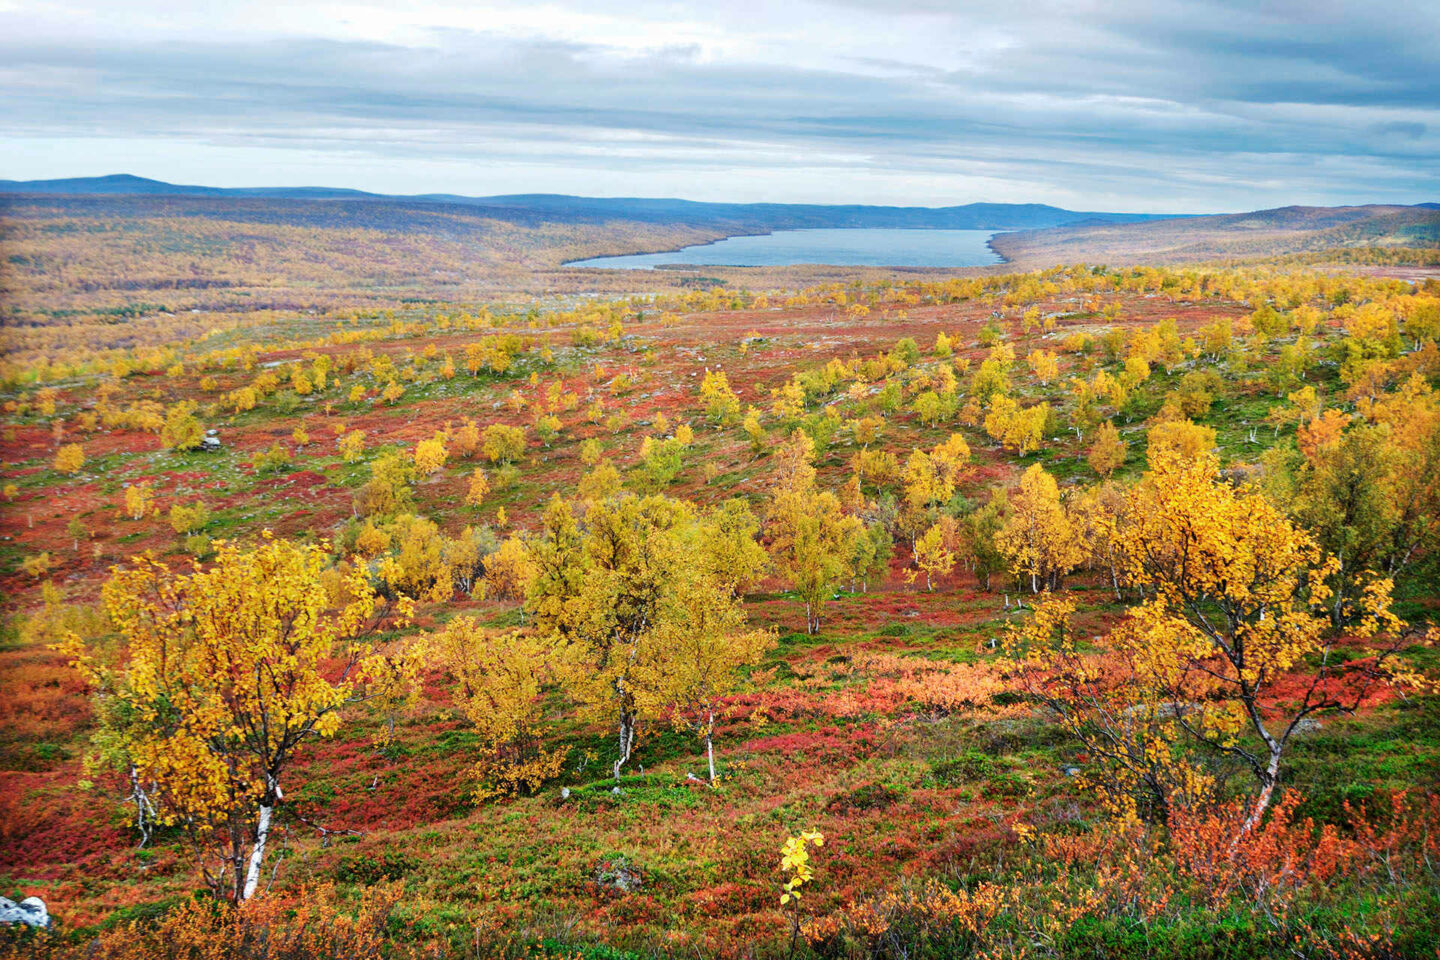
1038,536
1235,608
811,537
1237,598
230,670
702,641
615,594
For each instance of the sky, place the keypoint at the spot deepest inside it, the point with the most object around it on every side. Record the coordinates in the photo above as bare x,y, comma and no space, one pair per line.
1123,105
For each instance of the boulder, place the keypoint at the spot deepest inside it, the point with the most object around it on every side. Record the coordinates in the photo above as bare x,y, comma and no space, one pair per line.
618,876
1170,710
30,911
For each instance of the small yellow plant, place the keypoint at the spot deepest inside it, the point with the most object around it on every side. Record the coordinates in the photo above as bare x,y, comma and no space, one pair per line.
795,862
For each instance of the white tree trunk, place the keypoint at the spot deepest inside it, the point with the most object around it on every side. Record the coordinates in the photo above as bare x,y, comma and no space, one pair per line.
710,746
1267,788
257,855
627,741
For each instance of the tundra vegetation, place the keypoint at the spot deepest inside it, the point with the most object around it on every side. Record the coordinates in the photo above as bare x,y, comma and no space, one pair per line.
1079,612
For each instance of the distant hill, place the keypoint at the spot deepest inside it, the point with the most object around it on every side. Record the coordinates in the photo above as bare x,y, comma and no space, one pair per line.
741,217
124,183
1261,233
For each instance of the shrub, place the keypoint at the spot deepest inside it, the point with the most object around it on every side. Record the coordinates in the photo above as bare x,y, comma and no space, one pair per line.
189,519
273,460
869,796
69,458
369,868
182,431
972,765
502,444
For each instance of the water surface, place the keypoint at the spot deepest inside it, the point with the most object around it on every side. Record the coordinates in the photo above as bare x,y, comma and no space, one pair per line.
862,247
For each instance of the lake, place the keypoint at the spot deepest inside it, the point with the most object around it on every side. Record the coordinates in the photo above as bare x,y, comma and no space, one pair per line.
867,247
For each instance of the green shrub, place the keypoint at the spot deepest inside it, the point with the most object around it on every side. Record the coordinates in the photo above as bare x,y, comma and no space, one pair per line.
369,868
869,796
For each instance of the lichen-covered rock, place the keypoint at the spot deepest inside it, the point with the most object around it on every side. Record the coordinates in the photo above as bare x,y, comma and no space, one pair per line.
30,911
617,876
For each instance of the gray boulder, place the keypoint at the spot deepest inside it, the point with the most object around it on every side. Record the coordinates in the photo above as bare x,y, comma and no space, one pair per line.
1308,725
30,911
618,876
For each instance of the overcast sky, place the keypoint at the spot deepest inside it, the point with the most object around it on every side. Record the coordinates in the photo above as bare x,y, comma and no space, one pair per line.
1143,105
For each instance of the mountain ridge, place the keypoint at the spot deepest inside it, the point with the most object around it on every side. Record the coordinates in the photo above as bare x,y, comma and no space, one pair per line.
979,215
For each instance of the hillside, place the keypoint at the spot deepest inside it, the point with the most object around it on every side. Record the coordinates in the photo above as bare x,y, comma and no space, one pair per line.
1262,233
884,542
68,253
125,253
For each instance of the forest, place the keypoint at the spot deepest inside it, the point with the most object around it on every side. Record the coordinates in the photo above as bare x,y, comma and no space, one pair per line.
1076,611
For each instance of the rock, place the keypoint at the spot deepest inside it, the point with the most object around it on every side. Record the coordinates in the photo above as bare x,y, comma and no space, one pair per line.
1072,771
1169,710
30,911
564,793
618,876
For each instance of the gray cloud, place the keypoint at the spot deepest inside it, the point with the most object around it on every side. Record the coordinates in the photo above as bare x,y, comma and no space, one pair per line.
1204,106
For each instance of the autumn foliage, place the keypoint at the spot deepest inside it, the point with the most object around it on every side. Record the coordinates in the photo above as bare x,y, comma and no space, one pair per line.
1065,605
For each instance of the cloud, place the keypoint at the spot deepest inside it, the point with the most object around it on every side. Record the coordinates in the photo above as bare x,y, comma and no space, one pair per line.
1127,105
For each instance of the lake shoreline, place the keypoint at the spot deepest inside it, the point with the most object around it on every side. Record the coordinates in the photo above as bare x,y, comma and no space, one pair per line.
762,258
991,244
651,253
